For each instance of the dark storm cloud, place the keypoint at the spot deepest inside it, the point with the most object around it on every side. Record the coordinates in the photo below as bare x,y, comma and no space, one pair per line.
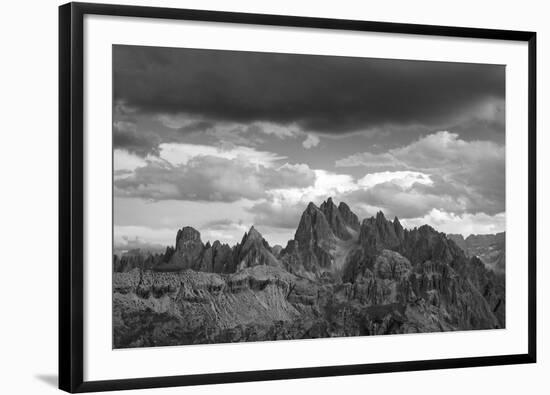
126,136
196,126
326,94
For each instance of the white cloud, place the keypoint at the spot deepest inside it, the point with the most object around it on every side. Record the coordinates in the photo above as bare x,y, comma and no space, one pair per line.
438,151
124,234
220,235
225,230
464,224
406,202
211,178
230,230
177,121
446,151
181,154
438,171
370,160
278,130
278,211
123,160
311,141
283,207
177,213
327,183
404,179
440,179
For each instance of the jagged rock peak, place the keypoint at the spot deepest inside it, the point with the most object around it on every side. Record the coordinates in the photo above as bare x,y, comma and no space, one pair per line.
399,231
327,206
253,238
335,219
327,202
253,233
378,233
188,233
427,229
188,250
313,240
311,207
343,207
254,250
314,229
349,216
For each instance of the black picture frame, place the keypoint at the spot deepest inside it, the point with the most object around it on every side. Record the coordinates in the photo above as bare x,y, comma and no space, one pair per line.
71,198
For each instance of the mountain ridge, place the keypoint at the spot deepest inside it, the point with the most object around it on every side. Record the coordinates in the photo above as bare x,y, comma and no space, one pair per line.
384,278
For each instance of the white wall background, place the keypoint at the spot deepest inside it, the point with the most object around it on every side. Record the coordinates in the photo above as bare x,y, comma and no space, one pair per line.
28,201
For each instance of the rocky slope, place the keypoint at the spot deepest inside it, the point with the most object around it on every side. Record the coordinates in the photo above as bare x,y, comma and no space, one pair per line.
337,277
489,248
136,259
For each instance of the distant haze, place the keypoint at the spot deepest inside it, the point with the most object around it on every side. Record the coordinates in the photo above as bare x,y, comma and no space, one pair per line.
222,140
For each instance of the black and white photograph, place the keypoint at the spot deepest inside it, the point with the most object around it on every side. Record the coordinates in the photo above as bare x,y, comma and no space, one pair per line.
275,197
272,196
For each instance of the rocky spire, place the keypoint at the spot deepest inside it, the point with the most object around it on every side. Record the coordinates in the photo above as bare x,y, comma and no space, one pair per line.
253,234
380,218
336,220
399,231
313,227
188,250
253,250
217,258
313,241
188,234
378,233
348,216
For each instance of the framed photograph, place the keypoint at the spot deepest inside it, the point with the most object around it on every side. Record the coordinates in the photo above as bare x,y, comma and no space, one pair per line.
250,197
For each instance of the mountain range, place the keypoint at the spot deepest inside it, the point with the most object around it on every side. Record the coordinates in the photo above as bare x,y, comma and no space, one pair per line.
491,249
338,276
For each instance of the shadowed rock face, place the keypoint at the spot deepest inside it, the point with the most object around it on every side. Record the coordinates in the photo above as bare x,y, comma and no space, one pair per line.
348,216
189,248
253,251
136,259
379,233
335,278
336,220
314,240
314,229
490,249
487,252
191,253
323,240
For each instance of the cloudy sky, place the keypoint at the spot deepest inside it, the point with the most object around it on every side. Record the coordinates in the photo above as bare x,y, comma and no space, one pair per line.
221,140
